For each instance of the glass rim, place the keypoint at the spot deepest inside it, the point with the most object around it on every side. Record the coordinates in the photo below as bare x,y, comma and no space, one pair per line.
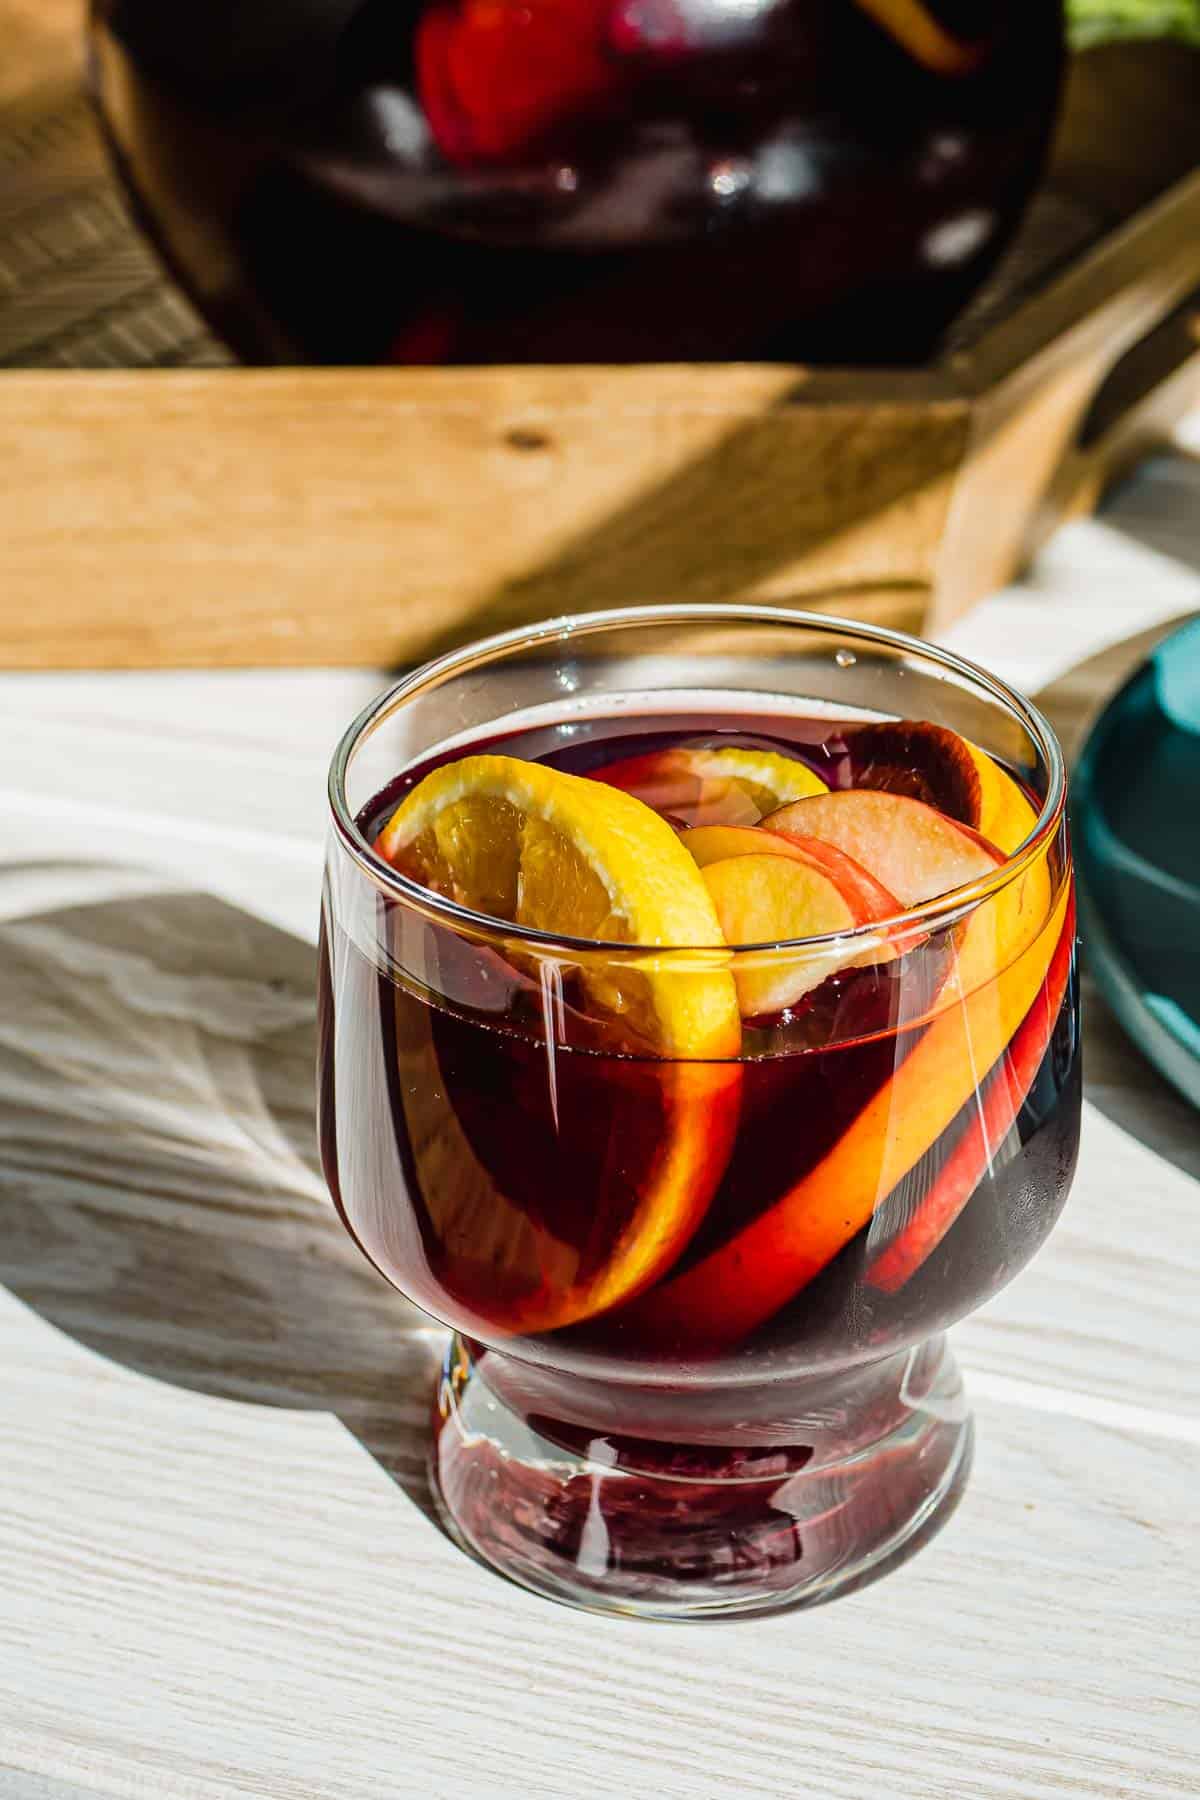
941,911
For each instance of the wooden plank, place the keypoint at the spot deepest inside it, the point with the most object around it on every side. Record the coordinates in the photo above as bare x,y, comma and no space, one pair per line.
248,1605
331,516
1032,381
42,43
1131,415
22,1784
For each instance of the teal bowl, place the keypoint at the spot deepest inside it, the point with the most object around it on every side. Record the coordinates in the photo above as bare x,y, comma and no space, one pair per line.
1136,824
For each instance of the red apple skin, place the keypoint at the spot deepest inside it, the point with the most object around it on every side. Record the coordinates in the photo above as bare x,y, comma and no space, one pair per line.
916,852
792,892
870,899
716,843
1002,963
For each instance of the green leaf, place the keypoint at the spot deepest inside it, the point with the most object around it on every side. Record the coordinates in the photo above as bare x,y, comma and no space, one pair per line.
1101,21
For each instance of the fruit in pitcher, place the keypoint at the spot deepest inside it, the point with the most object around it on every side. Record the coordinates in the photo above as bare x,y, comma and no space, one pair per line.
499,81
926,40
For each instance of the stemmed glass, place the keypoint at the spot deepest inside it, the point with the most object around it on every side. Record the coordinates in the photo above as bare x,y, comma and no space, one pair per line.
769,1413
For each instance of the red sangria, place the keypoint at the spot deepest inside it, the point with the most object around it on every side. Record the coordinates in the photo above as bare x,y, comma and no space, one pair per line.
481,181
698,1041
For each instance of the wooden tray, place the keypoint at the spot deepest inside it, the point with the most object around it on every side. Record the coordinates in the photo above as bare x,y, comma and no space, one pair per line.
179,511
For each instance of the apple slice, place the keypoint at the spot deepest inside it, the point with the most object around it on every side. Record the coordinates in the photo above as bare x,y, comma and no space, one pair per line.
496,80
869,898
779,896
992,801
921,760
726,784
932,763
716,843
770,900
915,851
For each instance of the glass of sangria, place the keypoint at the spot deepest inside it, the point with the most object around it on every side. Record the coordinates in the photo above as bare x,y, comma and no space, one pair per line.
699,1040
578,181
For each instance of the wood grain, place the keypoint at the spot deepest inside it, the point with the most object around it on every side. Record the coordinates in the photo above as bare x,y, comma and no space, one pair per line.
325,516
42,43
292,1625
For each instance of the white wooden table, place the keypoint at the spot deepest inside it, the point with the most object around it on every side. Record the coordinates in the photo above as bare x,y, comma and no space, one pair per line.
217,1576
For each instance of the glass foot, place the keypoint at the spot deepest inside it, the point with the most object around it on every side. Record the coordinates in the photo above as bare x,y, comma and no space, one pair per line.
703,1503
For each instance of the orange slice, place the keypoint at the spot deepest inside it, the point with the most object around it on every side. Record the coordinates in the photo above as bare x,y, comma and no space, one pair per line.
1005,816
772,899
535,846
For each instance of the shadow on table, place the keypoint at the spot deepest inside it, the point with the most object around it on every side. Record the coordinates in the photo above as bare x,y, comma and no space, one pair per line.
160,1192
1118,1080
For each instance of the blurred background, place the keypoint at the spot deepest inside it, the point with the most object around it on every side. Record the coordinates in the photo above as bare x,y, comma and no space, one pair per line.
884,290
360,181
